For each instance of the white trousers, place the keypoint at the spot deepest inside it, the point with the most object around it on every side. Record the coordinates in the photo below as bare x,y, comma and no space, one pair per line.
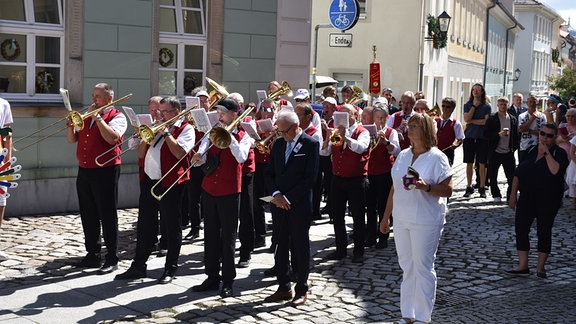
416,245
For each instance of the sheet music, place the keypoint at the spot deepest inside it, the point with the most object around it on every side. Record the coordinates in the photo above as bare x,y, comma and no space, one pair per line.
265,125
66,98
267,199
250,130
200,117
371,129
131,116
261,94
340,119
192,101
286,107
144,119
213,117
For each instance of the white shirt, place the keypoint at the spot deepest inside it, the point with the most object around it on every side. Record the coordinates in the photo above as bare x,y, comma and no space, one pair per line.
118,123
390,121
5,114
527,139
359,145
152,161
418,206
239,150
393,138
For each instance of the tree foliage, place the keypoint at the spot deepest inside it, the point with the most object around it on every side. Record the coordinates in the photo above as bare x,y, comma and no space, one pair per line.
565,85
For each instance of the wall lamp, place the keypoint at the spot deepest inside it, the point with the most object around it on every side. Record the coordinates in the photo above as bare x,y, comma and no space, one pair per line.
438,30
517,74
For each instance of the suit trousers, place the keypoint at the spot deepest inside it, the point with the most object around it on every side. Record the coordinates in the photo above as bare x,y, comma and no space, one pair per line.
98,199
246,228
506,160
351,190
376,198
170,219
194,189
259,205
416,245
325,167
220,230
295,239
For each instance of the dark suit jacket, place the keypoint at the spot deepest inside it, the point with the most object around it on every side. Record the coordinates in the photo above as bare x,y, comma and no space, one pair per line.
492,128
512,111
295,178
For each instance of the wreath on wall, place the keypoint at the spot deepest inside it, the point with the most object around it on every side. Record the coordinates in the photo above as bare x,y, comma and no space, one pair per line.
44,81
166,57
11,44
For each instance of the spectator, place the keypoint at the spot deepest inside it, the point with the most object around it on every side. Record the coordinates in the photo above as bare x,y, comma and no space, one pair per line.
530,122
450,133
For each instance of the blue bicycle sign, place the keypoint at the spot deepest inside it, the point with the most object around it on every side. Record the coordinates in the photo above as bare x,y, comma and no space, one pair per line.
343,14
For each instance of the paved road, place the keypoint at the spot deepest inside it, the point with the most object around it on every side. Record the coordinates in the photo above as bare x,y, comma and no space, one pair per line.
38,285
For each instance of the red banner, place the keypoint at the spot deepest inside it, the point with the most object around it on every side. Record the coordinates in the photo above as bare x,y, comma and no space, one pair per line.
374,79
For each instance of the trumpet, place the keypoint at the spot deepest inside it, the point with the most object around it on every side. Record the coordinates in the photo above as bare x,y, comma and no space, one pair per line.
219,136
147,133
375,141
336,138
264,145
76,119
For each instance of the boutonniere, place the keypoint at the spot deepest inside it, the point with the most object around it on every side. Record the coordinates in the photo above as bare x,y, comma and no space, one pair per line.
297,147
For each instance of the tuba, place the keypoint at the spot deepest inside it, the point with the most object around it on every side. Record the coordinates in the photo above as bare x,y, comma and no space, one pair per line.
285,89
356,95
434,112
216,92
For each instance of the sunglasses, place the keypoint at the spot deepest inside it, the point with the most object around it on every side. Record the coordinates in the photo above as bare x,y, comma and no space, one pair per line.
548,135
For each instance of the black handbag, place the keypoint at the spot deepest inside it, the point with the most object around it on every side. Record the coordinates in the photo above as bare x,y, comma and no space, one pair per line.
211,164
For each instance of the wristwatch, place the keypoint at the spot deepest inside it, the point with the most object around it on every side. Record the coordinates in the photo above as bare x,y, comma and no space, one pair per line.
167,134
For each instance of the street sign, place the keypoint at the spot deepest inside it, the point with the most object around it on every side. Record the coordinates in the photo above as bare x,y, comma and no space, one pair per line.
344,14
340,40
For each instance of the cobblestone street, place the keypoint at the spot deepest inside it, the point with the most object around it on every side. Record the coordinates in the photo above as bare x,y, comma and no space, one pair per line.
39,285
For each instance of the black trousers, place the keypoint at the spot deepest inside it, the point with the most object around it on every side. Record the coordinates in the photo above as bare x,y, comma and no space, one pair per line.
450,155
169,207
376,198
506,160
98,199
246,228
194,190
293,238
325,169
544,212
259,206
220,230
350,190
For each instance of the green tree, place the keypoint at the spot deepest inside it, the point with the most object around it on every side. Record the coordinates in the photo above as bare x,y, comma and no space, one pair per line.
565,85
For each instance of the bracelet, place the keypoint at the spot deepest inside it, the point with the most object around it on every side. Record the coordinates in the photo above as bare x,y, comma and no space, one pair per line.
99,118
429,188
167,134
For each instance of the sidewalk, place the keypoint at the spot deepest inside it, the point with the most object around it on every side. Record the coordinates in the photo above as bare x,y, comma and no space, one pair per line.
38,284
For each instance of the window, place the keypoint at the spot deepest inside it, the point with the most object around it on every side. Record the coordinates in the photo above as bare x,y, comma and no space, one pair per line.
31,44
345,79
362,9
183,39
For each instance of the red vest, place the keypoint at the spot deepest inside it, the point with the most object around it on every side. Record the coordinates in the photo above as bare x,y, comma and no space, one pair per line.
404,143
381,161
167,161
249,166
311,130
91,144
261,158
227,178
446,134
346,163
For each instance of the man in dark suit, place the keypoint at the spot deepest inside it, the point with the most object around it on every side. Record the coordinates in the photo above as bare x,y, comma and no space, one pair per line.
516,108
291,174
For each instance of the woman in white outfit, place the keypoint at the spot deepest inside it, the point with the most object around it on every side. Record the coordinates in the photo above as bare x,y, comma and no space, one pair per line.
419,208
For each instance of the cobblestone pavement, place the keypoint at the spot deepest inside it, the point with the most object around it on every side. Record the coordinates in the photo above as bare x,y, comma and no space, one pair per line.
38,284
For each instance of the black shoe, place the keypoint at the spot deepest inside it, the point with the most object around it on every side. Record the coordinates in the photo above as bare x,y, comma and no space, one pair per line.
194,234
108,267
469,192
132,273
358,259
324,211
162,253
271,272
226,290
167,277
382,244
259,244
208,285
91,260
370,243
317,216
522,273
272,248
482,192
336,256
541,275
243,263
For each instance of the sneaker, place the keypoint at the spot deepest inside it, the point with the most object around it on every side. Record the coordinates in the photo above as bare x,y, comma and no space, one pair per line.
497,199
469,192
482,192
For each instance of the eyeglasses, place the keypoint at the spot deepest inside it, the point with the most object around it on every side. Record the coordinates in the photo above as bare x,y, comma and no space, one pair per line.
166,111
287,130
548,135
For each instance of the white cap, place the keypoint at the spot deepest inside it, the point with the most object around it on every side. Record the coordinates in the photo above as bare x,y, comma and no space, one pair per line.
202,93
379,100
302,94
331,100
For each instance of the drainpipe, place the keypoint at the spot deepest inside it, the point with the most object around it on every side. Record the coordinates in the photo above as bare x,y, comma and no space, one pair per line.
313,96
494,3
421,40
506,58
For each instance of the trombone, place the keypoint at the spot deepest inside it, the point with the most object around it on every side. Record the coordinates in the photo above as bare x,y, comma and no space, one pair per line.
285,89
263,146
216,92
220,137
76,118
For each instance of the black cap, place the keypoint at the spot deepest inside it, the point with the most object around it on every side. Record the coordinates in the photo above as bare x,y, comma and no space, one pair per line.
227,104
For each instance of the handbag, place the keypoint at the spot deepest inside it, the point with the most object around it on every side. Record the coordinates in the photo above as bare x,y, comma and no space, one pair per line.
211,164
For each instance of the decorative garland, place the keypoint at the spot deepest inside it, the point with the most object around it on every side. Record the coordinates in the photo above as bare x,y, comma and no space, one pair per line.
44,81
13,44
166,52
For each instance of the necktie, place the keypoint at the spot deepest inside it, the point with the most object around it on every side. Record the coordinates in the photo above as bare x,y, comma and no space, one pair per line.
444,121
288,151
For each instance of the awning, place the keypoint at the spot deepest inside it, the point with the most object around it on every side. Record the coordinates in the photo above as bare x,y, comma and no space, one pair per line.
323,81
